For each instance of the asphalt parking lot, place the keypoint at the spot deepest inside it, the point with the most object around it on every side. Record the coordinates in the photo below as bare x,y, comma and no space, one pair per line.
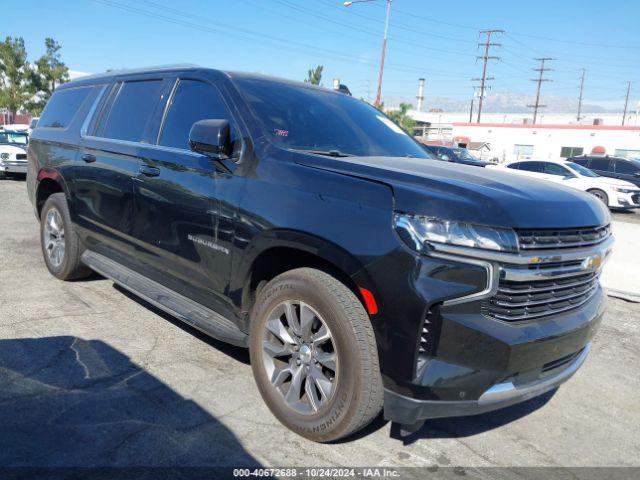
91,376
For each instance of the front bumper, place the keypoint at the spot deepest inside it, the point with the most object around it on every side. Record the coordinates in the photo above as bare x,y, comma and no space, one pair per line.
468,359
408,411
625,200
13,167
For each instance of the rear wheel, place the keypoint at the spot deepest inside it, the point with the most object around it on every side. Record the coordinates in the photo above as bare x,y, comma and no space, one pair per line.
314,356
61,246
600,195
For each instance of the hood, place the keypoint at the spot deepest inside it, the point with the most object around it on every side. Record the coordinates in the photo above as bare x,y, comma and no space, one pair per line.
476,163
466,193
4,148
614,182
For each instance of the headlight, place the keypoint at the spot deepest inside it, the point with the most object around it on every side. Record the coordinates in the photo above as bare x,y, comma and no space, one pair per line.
419,231
4,156
625,190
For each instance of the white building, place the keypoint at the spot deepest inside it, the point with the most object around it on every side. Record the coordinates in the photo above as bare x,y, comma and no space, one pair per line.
513,136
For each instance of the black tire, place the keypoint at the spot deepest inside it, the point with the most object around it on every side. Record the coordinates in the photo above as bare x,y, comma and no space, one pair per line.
600,195
69,266
356,392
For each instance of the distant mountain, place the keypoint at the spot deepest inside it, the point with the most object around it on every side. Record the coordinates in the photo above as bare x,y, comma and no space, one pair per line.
505,102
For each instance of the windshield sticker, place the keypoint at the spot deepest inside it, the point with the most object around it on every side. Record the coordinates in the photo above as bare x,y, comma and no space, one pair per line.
391,125
281,133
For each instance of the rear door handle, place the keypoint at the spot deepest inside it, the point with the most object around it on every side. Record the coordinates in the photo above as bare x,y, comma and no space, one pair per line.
148,171
88,158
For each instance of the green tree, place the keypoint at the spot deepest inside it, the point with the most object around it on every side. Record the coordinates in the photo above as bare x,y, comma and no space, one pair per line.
401,118
50,72
314,76
16,75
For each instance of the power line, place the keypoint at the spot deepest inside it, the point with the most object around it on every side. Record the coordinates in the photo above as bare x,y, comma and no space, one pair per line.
485,58
539,80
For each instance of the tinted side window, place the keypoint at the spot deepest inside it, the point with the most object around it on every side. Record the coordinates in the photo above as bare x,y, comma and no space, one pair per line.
553,169
599,164
579,160
62,107
192,101
625,167
515,166
131,111
531,166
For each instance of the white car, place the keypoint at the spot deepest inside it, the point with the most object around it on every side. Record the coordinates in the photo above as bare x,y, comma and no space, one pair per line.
13,152
613,192
14,127
33,124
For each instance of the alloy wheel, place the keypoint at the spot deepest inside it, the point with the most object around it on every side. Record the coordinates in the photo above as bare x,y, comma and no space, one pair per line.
54,243
299,356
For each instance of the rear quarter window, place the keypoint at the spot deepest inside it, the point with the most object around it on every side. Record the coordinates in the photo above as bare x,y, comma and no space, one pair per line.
62,107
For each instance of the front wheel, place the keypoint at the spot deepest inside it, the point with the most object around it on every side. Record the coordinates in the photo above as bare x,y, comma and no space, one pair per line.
600,195
314,355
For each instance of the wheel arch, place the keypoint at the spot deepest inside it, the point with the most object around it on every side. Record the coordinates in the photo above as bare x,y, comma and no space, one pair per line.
284,251
49,182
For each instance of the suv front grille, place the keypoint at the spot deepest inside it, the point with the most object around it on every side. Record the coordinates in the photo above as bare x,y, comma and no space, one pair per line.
516,301
562,238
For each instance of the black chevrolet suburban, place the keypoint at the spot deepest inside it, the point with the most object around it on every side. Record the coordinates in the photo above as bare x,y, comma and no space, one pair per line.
305,225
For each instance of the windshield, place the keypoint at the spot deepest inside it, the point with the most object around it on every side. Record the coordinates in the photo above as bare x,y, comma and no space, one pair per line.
304,118
463,154
585,172
14,138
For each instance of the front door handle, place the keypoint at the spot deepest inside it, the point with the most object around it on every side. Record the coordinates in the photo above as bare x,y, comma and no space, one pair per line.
148,171
88,158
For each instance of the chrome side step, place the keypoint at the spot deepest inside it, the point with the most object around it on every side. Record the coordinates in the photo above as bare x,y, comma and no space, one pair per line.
181,307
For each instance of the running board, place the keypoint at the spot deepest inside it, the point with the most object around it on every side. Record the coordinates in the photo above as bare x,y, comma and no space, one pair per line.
183,308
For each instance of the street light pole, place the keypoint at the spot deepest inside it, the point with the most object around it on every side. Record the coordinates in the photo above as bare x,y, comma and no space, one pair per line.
384,45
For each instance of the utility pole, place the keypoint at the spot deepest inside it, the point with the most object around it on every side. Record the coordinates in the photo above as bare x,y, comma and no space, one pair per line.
539,80
471,111
580,99
626,103
485,58
384,44
420,95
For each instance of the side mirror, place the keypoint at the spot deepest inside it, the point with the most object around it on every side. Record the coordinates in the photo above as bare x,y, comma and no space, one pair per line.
445,158
210,137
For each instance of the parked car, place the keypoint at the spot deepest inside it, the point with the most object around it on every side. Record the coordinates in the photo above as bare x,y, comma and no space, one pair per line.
14,127
455,155
627,169
13,152
33,124
612,192
302,223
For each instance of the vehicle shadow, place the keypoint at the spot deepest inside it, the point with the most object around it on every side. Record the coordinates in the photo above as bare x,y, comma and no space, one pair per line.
459,427
66,402
237,353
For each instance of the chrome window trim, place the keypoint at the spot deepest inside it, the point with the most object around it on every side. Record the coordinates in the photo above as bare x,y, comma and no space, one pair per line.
91,112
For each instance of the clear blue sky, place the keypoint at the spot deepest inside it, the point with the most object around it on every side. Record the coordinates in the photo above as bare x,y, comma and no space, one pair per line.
435,40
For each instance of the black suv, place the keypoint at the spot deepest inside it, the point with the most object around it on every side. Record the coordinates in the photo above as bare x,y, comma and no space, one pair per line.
455,155
623,168
303,224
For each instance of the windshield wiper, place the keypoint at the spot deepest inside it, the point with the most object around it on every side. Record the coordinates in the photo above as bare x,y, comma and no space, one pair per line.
328,153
